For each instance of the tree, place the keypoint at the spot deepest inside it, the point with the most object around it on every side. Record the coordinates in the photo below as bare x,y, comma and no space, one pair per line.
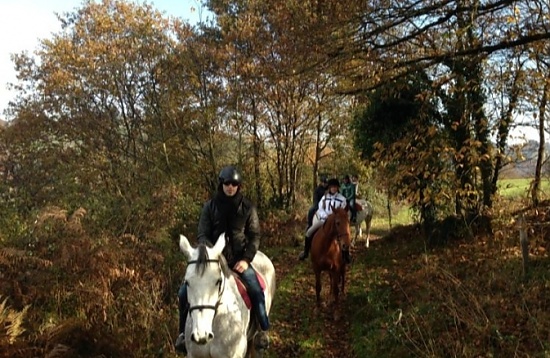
279,104
542,93
452,42
95,101
399,131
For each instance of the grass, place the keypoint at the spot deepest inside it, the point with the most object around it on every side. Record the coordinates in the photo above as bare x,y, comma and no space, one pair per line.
468,299
402,215
300,332
381,225
517,188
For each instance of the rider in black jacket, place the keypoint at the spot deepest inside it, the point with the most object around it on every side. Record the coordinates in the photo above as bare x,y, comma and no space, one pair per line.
230,212
317,195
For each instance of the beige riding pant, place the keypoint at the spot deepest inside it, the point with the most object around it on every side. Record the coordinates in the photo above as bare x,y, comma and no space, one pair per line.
316,224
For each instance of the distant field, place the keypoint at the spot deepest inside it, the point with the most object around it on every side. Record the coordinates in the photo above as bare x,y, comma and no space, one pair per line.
513,188
402,215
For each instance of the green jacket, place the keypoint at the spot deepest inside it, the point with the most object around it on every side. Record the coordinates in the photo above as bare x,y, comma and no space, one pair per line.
348,191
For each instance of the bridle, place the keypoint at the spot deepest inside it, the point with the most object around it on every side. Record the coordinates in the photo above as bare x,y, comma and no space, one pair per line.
345,251
220,290
340,235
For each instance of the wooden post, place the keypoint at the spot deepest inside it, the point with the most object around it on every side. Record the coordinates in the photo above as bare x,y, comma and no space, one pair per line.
524,243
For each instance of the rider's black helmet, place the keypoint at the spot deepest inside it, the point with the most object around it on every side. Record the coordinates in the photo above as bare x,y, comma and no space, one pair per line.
230,174
333,182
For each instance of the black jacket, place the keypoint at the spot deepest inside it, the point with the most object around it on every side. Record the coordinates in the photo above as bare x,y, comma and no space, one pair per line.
318,194
243,235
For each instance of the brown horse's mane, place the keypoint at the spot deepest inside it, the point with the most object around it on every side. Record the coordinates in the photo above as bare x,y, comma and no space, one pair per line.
331,221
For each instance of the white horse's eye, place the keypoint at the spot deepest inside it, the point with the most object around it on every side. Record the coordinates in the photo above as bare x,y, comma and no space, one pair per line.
219,282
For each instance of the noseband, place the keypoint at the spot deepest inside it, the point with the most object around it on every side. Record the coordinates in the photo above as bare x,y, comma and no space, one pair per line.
220,291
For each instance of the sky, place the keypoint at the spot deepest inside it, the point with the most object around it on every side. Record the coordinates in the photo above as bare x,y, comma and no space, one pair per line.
24,22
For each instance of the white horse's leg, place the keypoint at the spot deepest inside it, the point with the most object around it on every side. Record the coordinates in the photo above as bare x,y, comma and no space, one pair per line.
354,239
260,343
368,220
358,228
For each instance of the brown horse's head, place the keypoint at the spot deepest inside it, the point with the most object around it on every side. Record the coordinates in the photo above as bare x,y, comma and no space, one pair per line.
338,227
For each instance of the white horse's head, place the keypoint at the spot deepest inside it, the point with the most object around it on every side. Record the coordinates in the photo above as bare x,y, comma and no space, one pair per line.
205,280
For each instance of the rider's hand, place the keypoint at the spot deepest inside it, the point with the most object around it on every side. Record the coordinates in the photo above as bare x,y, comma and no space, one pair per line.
240,266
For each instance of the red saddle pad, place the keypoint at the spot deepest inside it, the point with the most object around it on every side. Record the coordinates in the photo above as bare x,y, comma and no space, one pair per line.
243,291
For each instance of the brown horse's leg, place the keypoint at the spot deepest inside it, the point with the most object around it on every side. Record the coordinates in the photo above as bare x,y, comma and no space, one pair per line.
343,277
318,287
334,285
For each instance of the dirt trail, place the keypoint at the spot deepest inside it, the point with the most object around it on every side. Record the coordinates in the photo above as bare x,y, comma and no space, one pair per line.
297,317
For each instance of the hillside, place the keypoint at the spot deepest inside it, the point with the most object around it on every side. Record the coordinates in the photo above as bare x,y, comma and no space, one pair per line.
523,160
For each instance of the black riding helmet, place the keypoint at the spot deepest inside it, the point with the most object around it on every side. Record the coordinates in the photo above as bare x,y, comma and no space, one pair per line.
230,174
333,182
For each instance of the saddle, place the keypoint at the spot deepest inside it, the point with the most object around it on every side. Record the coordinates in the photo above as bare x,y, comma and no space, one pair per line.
244,292
358,207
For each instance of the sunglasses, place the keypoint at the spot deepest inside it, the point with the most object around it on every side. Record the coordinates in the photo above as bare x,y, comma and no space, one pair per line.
232,183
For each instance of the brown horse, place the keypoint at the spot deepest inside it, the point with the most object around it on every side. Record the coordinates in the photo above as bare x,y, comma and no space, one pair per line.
330,252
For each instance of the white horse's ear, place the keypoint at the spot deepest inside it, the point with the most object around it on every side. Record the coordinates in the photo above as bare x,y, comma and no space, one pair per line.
220,244
186,247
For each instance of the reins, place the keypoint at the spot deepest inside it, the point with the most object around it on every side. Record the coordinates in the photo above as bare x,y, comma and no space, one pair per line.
220,291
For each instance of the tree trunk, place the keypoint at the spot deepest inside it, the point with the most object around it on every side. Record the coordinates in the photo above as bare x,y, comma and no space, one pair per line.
504,129
535,188
257,157
524,243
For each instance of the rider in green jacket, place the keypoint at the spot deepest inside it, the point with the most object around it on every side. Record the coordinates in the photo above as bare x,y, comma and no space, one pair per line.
348,191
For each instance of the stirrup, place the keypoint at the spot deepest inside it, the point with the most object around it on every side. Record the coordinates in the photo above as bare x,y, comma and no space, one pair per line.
180,344
261,341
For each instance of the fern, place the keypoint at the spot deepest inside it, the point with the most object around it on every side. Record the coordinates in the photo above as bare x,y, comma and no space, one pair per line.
11,322
15,259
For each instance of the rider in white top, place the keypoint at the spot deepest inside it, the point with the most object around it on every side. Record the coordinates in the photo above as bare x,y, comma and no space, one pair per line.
331,200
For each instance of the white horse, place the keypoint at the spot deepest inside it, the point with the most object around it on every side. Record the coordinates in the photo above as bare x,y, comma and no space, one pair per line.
219,323
363,215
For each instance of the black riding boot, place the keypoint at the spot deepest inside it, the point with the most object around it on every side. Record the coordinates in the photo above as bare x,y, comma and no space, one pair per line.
183,307
307,246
